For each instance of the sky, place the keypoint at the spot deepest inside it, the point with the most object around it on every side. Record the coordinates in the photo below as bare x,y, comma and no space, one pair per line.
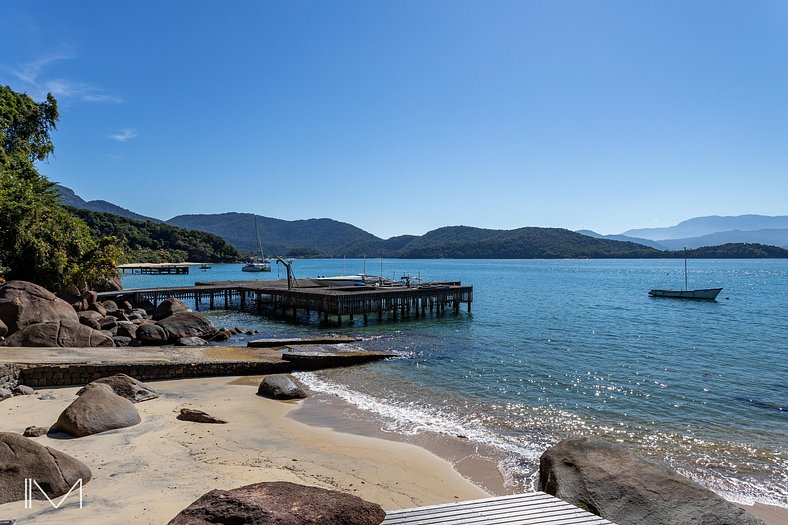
404,116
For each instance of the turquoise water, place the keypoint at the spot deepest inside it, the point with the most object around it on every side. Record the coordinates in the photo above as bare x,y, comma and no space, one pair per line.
559,348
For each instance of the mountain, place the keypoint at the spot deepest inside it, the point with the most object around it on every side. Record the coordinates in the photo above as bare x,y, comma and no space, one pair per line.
699,226
773,237
310,237
156,242
463,242
644,242
69,198
731,251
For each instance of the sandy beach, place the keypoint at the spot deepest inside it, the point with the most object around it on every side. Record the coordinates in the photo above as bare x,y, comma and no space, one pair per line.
149,472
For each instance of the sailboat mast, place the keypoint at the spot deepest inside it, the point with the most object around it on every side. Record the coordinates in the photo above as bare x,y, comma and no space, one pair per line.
686,285
257,233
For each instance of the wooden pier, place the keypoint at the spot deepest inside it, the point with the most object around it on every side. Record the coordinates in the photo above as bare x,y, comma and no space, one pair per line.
328,303
154,269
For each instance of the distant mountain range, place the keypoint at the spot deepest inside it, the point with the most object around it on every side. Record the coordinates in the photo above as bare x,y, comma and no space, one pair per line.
709,231
331,238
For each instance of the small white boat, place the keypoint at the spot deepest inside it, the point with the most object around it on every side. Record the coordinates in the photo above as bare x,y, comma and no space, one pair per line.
258,265
708,294
347,280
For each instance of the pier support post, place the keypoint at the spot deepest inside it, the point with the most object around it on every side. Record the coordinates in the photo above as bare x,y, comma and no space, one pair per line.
366,319
242,293
226,300
211,302
197,301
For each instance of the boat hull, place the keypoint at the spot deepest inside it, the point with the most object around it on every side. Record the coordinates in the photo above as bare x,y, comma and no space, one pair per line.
256,268
708,294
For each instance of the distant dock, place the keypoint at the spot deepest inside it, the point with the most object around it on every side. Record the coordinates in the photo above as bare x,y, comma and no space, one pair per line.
154,268
327,302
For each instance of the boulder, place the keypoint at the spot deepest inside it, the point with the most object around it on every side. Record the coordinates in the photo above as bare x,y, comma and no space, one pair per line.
280,386
198,416
125,386
23,390
5,394
108,322
191,341
121,340
23,458
221,335
146,306
90,297
611,481
187,324
167,307
127,329
34,431
23,304
126,306
151,334
120,315
3,329
98,307
97,409
59,333
110,306
280,503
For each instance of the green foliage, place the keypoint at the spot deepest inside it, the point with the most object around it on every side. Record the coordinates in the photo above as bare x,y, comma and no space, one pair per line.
156,242
39,240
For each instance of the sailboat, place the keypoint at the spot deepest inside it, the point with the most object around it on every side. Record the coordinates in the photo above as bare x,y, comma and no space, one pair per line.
254,265
709,294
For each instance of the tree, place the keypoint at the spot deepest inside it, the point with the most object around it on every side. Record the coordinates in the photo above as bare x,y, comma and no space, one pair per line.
40,241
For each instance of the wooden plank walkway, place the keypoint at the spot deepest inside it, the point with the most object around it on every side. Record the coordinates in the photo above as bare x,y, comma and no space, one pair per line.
348,302
535,508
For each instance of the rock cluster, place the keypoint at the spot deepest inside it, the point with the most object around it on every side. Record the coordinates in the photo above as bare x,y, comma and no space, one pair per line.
611,481
32,316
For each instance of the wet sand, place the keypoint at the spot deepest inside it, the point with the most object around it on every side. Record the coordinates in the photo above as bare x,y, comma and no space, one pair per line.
149,472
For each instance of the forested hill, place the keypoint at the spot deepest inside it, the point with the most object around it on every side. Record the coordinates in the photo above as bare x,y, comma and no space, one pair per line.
310,237
156,242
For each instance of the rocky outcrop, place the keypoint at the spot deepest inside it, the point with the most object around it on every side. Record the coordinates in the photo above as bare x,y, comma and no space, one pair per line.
22,458
169,307
187,324
611,481
151,334
198,416
59,333
124,386
23,304
280,503
97,410
280,386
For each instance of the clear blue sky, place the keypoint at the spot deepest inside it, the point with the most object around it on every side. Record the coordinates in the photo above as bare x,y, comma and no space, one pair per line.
403,116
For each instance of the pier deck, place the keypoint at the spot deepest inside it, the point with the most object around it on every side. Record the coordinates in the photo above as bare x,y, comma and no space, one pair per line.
536,508
327,302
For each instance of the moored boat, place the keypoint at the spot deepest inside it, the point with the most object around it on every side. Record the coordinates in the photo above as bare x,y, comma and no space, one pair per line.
708,294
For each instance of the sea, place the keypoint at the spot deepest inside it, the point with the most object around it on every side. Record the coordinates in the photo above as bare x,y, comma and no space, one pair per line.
559,348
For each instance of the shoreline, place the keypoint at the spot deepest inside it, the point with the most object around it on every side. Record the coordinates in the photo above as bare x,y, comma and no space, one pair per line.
152,471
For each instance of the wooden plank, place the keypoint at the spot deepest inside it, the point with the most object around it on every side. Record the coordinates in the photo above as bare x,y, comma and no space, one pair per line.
535,508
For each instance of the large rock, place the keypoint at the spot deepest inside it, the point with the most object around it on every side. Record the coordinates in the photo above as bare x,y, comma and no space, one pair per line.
22,458
280,503
280,386
187,324
611,481
23,304
169,306
97,410
124,386
191,341
151,334
59,333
